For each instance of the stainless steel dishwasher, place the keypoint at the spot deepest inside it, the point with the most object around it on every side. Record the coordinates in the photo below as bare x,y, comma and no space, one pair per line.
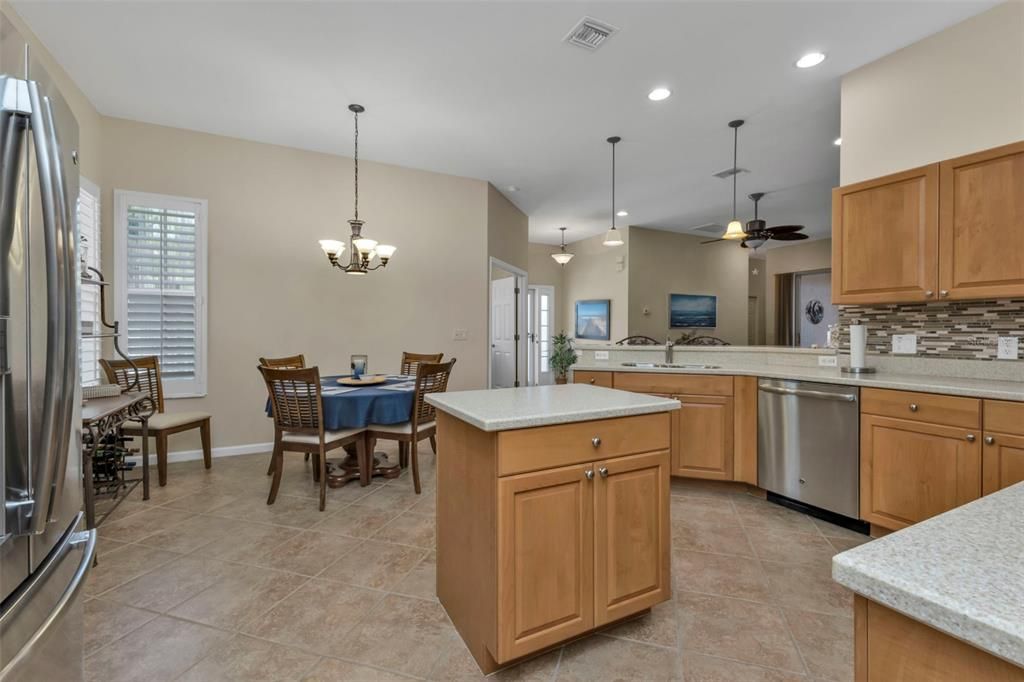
808,437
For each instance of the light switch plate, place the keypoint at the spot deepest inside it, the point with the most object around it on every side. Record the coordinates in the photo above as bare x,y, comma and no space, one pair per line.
1008,348
827,361
904,344
460,335
600,355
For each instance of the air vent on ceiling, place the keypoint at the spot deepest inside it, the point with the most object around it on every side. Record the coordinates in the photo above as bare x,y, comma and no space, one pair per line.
709,228
590,33
729,172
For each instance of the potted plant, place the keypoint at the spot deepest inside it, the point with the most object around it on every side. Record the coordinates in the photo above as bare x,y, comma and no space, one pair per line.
563,356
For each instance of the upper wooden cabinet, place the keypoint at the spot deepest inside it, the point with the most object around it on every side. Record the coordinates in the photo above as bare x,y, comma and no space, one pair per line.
981,224
947,231
885,238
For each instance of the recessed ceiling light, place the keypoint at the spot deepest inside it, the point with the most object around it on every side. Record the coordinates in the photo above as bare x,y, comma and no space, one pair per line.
658,94
838,141
513,188
622,214
810,59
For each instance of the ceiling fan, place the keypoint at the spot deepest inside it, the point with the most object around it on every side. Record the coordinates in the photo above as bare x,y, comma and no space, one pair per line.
756,232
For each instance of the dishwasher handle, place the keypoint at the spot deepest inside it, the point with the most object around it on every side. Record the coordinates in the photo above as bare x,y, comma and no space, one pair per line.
807,393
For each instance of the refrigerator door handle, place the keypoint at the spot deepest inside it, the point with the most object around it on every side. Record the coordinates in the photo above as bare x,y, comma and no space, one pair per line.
77,540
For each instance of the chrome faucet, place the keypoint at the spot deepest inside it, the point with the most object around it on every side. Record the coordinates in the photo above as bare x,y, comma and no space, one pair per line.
668,351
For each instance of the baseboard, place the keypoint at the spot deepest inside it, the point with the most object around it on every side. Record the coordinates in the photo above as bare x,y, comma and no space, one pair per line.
192,455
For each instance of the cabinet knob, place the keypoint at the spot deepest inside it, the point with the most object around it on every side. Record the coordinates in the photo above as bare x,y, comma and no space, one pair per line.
592,380
603,471
971,438
943,293
913,407
589,473
596,441
990,440
929,293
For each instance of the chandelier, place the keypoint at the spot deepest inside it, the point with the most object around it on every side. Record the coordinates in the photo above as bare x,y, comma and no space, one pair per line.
363,251
562,256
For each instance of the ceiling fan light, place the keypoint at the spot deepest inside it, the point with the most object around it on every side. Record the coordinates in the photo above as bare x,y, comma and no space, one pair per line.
562,257
756,242
613,238
734,231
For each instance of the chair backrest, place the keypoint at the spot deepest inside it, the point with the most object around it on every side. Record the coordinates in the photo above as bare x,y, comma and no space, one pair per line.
412,360
122,373
431,377
295,398
290,362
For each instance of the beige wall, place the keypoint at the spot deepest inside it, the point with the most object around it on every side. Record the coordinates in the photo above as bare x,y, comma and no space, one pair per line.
757,276
959,91
507,230
544,270
271,291
803,257
594,274
663,263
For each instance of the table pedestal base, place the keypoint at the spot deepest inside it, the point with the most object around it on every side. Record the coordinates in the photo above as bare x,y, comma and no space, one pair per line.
340,472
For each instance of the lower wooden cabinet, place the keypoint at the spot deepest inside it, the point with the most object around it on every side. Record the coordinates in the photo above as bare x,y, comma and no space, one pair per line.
703,446
1002,461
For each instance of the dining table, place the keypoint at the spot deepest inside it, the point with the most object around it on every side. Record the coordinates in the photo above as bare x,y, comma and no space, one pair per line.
357,407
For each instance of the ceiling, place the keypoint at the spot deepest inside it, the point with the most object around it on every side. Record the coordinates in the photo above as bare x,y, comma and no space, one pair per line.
489,90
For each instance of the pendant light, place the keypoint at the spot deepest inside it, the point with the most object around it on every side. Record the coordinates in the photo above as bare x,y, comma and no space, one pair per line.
613,237
364,250
734,230
563,256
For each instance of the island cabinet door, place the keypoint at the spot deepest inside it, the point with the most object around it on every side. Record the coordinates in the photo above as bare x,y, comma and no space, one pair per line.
545,558
1002,462
702,438
911,471
631,535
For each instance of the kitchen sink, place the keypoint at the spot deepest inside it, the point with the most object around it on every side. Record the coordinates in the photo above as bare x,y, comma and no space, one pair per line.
668,365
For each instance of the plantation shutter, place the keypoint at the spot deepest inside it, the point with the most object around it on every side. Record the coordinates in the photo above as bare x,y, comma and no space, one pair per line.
89,349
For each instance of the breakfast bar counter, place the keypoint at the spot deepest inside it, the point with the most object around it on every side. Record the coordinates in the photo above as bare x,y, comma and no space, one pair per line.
552,513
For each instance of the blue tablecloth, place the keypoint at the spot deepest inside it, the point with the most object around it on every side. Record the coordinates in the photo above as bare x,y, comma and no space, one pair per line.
366,405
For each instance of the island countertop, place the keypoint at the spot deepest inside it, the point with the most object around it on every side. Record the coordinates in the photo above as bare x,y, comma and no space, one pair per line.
502,409
961,572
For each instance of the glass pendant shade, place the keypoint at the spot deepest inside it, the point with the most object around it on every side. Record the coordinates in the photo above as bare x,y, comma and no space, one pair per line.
386,251
364,246
734,230
756,242
332,247
613,238
562,257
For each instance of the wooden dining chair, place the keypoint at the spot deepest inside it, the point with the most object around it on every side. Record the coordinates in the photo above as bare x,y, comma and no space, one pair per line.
161,425
431,377
288,362
410,361
299,424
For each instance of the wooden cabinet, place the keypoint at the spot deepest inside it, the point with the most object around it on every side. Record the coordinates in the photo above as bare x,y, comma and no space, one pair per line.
632,535
981,225
947,231
1002,462
911,468
592,378
703,447
885,238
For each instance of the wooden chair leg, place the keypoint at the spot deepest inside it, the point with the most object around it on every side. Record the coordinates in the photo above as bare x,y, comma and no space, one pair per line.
403,454
161,458
316,467
204,435
322,468
278,461
414,448
306,458
277,444
433,444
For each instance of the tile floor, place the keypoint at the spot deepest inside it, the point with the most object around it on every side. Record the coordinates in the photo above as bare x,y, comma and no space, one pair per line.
206,582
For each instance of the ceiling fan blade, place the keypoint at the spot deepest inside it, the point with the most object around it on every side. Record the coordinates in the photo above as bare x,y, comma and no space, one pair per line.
743,244
712,241
782,229
788,236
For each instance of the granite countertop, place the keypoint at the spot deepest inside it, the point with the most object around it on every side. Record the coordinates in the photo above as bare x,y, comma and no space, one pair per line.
961,572
973,388
519,408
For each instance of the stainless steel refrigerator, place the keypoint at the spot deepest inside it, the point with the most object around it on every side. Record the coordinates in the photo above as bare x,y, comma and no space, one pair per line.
44,553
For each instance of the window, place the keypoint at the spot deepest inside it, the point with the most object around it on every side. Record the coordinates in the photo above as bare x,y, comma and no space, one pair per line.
89,349
160,254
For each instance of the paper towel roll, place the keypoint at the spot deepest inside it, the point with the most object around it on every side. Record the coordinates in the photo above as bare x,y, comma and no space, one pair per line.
858,345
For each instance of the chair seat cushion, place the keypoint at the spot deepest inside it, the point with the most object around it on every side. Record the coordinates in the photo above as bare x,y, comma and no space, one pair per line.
405,428
314,439
169,420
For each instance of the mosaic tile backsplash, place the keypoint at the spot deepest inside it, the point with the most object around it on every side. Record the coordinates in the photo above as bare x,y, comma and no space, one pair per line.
955,329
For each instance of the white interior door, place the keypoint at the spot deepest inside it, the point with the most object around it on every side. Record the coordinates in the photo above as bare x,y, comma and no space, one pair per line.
542,308
814,308
503,339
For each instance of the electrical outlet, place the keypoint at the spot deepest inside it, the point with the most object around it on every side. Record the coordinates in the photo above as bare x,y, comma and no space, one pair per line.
827,361
600,355
460,335
904,344
1008,348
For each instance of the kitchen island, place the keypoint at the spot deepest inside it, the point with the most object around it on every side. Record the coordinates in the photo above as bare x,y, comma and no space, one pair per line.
552,513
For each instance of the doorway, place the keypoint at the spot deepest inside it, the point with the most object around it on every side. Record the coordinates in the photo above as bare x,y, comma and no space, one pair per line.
506,319
813,311
539,325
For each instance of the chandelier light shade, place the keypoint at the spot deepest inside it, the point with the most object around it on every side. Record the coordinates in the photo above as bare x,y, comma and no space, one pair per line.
734,230
613,237
562,256
365,254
